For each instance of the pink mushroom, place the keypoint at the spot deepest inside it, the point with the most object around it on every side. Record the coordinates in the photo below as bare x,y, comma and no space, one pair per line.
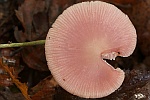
80,38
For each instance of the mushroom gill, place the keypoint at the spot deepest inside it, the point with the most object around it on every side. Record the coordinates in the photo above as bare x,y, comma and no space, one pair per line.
80,38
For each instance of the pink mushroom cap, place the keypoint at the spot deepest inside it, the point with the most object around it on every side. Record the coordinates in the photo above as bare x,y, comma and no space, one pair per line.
80,38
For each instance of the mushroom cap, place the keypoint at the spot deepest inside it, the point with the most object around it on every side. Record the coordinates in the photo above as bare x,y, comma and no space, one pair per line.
80,38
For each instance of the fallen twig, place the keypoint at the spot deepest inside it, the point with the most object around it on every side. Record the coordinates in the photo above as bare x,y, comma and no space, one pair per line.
38,42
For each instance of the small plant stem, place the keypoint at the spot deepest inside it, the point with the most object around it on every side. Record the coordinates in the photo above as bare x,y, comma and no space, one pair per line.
32,43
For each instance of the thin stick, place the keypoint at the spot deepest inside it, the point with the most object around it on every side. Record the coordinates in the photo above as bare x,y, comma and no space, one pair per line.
38,42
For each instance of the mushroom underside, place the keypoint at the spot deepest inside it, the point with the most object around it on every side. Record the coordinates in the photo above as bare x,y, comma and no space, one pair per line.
81,37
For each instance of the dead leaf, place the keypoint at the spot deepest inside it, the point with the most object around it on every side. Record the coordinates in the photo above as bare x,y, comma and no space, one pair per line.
44,90
12,62
27,12
19,35
34,57
57,7
124,2
22,86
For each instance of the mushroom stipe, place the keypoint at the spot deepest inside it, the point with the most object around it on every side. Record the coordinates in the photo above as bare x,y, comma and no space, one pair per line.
80,38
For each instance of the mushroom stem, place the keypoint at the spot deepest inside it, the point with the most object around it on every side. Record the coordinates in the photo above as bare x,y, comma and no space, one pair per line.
32,43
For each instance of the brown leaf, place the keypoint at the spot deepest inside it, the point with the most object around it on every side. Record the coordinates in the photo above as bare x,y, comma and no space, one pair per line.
113,1
27,12
23,87
19,35
44,90
41,26
122,1
34,57
11,57
57,7
5,80
12,62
